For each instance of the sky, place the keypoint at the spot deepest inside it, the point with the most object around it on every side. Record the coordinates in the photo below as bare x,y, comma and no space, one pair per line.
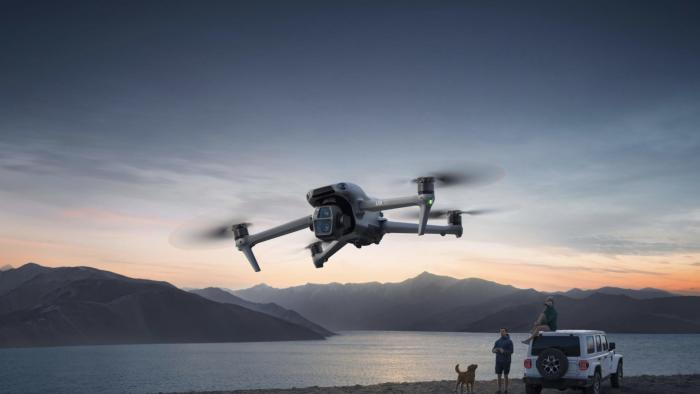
120,121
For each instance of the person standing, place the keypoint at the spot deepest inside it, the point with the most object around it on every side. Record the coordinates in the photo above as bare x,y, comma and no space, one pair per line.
547,321
503,348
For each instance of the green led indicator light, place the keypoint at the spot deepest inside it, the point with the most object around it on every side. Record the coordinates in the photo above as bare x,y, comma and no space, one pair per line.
430,202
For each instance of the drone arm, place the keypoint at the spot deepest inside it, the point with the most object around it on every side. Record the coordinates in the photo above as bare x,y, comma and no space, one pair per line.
245,242
280,230
393,203
411,228
329,251
424,200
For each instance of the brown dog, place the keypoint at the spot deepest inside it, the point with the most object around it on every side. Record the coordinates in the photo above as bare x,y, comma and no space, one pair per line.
466,378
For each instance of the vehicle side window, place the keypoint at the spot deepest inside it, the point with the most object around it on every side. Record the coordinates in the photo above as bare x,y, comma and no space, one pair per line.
590,344
605,343
598,344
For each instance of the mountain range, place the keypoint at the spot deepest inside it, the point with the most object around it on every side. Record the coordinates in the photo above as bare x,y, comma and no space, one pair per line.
439,303
41,306
272,309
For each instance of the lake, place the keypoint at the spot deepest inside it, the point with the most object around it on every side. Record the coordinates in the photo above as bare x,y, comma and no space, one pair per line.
354,357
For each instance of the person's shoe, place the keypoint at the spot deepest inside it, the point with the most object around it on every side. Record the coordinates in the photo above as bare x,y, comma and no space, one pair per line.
526,342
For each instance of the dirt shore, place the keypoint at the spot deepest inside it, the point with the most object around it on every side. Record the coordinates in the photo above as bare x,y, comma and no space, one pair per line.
646,384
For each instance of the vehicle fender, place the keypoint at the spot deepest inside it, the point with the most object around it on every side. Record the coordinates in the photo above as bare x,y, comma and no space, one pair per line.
617,360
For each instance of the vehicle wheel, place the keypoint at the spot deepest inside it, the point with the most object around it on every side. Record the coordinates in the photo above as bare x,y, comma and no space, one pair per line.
616,378
533,389
595,387
552,364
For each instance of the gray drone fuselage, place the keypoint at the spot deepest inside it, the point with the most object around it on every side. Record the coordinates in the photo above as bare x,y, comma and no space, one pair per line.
344,214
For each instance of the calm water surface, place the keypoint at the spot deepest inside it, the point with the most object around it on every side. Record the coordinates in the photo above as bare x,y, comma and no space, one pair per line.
355,357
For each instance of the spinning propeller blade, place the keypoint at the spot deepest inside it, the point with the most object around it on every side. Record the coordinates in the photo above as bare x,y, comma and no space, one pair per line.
443,213
205,233
465,175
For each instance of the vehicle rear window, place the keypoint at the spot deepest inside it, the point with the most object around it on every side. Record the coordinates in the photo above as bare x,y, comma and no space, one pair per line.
590,344
567,344
598,345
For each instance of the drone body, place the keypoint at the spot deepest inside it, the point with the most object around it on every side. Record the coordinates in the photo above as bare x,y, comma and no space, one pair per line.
344,214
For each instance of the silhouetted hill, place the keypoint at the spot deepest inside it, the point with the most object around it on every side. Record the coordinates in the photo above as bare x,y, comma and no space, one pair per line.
641,294
380,306
42,306
613,313
272,309
438,303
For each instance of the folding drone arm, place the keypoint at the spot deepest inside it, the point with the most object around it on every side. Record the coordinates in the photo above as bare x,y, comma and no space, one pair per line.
320,254
389,227
245,242
424,201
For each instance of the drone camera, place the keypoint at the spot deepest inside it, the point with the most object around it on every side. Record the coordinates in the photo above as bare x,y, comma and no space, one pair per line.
323,220
330,222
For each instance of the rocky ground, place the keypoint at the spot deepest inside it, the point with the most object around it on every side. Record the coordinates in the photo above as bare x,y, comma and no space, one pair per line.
645,384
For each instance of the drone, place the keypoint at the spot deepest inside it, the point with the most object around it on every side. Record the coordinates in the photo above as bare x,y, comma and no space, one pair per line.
344,214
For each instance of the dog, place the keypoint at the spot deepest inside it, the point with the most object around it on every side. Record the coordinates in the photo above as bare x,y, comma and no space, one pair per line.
466,378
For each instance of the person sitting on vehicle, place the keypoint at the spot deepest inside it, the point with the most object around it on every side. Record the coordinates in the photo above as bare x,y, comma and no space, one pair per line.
547,321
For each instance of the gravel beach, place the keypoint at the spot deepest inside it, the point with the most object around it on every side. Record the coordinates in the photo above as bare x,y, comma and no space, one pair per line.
645,384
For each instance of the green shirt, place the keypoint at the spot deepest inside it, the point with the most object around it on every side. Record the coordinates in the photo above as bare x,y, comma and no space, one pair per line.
550,315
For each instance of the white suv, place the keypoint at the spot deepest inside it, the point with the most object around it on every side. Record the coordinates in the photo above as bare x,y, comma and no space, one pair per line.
571,359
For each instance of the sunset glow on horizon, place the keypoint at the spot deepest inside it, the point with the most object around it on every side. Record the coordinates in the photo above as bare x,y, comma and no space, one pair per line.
107,147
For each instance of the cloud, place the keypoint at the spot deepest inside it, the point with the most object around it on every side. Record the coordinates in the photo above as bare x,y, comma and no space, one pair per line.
614,245
54,161
583,268
109,217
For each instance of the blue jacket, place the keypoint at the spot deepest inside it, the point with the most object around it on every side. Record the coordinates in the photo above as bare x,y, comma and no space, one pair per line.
507,345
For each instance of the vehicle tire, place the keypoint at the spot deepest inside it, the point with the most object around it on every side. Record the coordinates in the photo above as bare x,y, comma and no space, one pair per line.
595,387
533,389
616,378
552,364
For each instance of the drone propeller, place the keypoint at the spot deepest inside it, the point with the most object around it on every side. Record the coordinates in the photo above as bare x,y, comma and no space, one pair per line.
309,244
443,213
206,234
468,175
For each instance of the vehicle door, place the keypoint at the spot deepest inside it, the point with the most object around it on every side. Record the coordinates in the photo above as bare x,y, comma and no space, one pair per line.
609,360
601,356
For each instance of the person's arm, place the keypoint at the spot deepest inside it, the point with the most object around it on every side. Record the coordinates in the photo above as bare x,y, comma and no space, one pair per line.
508,348
541,319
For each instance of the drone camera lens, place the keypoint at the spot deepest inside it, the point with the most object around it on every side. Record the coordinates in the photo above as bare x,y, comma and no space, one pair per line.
322,227
324,212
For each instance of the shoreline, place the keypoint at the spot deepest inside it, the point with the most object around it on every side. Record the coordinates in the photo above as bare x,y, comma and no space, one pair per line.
642,384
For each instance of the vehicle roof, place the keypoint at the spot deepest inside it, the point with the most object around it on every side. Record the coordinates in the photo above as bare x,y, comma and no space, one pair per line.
571,332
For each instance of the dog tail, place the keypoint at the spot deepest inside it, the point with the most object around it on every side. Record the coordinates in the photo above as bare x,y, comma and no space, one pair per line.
457,369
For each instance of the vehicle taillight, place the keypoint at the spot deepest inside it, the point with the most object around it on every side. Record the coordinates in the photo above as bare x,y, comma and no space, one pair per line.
583,365
527,363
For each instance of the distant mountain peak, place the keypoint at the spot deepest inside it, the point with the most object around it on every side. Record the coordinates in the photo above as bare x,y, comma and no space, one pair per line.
427,276
262,286
6,267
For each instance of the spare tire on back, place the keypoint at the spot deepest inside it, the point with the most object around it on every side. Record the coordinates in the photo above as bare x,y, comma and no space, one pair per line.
552,363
